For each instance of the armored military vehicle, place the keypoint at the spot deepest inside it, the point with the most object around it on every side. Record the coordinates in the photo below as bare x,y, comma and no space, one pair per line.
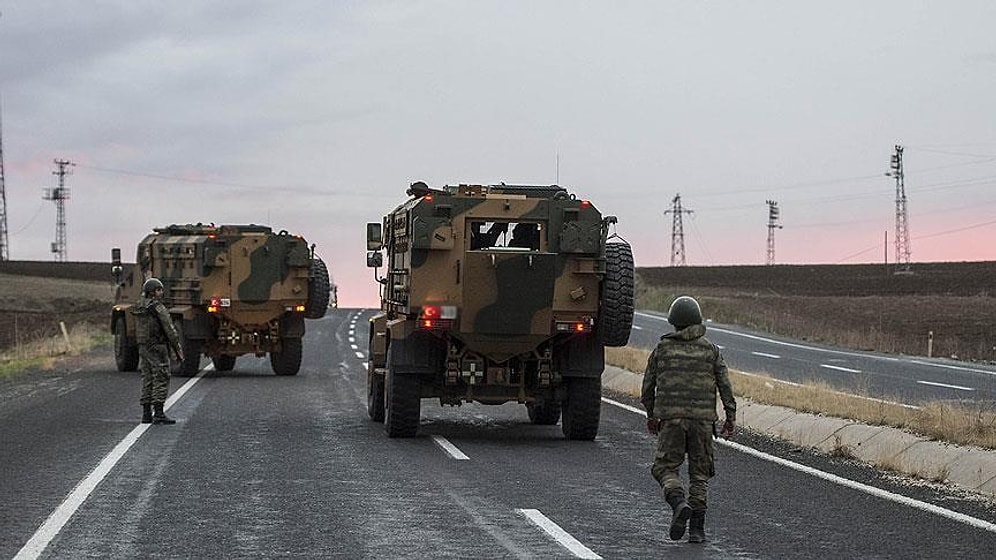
496,294
231,290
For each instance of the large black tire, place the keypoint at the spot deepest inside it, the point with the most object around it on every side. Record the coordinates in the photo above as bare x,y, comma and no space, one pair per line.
319,290
544,414
616,314
125,349
582,408
191,355
287,361
403,406
224,362
191,363
375,395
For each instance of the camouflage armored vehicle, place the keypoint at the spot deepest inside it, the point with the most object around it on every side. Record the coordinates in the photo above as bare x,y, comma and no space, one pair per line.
496,294
231,290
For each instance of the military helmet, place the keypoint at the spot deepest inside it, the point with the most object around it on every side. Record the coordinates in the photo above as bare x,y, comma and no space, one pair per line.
151,285
684,312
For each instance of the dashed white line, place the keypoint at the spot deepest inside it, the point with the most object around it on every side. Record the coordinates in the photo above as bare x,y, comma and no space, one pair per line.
351,338
38,542
945,385
638,327
360,355
766,355
878,492
561,536
840,368
450,449
354,347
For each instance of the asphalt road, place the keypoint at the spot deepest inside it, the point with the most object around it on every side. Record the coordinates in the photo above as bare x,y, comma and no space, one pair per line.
269,467
907,379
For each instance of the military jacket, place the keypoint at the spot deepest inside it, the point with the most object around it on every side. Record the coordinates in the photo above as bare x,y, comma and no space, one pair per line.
153,323
683,375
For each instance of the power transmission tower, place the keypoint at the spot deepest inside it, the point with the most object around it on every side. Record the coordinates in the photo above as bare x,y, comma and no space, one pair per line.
902,218
60,195
773,215
4,240
677,231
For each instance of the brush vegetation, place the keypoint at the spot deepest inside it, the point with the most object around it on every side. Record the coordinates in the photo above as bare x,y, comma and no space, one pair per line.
44,352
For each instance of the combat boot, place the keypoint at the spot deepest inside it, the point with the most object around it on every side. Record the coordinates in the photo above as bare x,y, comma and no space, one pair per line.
696,527
160,417
146,413
680,512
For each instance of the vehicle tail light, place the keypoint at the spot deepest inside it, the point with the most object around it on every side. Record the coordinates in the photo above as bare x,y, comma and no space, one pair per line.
437,316
582,326
217,303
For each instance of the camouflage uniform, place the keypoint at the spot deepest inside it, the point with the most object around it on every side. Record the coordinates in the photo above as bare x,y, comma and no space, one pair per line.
683,375
156,334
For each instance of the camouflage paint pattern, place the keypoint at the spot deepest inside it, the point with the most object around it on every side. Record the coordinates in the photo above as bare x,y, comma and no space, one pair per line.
677,438
262,276
509,299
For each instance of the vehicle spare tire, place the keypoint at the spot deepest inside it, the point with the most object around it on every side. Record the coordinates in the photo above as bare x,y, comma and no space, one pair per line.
319,290
616,314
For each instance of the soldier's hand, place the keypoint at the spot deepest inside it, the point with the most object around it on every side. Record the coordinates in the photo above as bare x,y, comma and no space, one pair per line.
729,428
654,425
179,355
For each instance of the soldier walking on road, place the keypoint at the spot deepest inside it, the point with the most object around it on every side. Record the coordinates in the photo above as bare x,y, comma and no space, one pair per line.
154,330
683,375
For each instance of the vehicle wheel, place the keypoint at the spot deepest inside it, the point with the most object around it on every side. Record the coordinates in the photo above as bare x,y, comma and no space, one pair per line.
319,290
224,362
191,355
582,408
616,314
544,414
125,349
287,361
403,406
375,395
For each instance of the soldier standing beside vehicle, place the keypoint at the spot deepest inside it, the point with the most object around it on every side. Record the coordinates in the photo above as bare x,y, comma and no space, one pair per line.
154,330
683,375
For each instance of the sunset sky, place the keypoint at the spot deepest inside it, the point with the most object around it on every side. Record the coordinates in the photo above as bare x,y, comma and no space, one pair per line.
314,116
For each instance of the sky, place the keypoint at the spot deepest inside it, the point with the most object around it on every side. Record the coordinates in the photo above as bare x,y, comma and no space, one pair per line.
314,117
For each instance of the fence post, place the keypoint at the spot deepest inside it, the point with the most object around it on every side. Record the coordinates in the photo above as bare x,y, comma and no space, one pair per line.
930,344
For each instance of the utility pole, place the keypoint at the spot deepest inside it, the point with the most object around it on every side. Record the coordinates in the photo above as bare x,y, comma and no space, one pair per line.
677,231
902,218
773,215
4,240
60,195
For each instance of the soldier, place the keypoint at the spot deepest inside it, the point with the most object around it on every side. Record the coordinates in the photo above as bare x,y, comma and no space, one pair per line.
683,375
154,330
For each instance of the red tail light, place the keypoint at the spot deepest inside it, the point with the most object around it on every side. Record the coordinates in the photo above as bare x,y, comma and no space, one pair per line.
437,316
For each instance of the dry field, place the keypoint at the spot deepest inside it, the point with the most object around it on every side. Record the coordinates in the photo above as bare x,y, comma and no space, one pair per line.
31,306
855,306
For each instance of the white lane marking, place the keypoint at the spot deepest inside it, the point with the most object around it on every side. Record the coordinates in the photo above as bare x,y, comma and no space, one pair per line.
450,449
766,355
877,492
851,395
48,530
949,366
351,338
946,386
840,368
561,536
360,355
638,327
